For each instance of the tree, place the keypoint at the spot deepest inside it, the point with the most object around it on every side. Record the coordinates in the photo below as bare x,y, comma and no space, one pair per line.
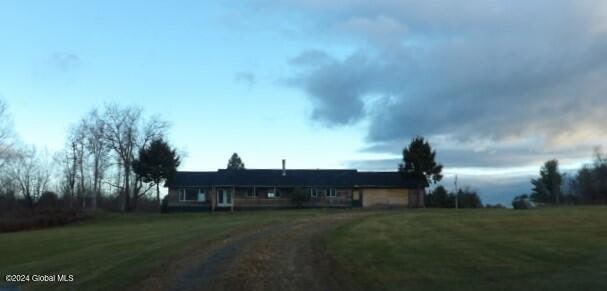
7,151
419,163
94,130
547,188
300,196
126,132
468,198
31,174
121,136
235,163
156,162
439,197
590,182
67,160
76,139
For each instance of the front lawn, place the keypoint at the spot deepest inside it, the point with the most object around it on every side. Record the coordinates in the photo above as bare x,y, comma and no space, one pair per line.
116,250
544,249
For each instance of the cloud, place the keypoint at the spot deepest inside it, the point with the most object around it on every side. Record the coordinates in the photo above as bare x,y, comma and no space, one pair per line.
247,78
64,61
488,82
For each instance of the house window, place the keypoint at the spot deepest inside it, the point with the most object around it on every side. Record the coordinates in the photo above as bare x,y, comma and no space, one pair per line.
192,194
331,192
249,193
273,193
342,192
320,192
312,193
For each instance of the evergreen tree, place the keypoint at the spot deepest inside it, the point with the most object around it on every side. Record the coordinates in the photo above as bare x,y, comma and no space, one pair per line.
235,163
547,188
156,162
419,163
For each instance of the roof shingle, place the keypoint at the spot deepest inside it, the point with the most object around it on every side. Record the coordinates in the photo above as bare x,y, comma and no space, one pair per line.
293,178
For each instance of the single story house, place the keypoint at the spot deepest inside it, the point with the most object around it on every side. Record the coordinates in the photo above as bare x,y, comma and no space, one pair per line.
272,188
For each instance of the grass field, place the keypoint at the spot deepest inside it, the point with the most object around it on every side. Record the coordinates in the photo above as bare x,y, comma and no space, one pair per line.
116,250
544,249
424,249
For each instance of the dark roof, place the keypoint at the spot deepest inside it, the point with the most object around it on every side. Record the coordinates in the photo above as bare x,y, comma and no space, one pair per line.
293,178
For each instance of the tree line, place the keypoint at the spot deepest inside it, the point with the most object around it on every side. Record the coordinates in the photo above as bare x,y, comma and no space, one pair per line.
115,155
588,185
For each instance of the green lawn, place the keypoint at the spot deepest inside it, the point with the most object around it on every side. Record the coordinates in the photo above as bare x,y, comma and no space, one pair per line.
116,250
544,249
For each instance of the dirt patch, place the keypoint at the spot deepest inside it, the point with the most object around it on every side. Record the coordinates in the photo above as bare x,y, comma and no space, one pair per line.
291,259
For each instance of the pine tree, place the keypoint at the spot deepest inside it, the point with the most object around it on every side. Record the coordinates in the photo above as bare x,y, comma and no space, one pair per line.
235,163
156,162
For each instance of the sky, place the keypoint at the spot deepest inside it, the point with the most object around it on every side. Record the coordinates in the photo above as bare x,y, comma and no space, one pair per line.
497,87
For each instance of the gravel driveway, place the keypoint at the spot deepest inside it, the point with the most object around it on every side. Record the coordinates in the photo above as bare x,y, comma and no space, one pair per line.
286,256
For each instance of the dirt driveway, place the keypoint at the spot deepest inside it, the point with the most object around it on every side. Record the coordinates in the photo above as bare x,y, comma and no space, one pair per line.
286,256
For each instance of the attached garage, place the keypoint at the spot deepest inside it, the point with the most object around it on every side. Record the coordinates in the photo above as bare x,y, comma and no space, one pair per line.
385,197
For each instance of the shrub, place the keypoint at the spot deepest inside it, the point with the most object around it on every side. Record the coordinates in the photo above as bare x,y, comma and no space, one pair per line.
300,196
23,220
522,202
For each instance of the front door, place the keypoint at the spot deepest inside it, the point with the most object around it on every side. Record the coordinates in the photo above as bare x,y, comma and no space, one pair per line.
224,197
357,198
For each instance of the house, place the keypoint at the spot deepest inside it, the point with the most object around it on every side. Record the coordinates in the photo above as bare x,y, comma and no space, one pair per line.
273,188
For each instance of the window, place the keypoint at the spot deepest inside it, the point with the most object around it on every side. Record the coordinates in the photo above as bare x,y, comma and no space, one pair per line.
273,193
342,192
192,194
331,192
320,192
312,192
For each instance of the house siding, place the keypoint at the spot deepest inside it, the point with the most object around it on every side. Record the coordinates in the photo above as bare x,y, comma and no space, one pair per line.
173,201
250,189
376,197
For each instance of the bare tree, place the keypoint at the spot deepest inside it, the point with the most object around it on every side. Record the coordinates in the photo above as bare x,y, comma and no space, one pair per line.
125,133
97,147
152,129
77,142
31,172
6,135
69,171
121,135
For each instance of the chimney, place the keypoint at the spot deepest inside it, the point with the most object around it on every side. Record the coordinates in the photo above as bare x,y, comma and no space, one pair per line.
284,170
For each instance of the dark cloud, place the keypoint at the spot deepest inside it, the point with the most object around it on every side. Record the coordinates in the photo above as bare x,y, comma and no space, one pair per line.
64,62
509,82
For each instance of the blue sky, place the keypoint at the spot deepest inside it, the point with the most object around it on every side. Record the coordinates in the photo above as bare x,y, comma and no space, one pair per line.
496,87
219,82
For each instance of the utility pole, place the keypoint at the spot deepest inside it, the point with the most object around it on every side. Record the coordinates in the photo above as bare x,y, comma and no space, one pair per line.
456,192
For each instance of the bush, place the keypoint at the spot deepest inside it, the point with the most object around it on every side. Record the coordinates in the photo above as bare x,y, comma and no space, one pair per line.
522,202
23,220
440,198
300,196
48,200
